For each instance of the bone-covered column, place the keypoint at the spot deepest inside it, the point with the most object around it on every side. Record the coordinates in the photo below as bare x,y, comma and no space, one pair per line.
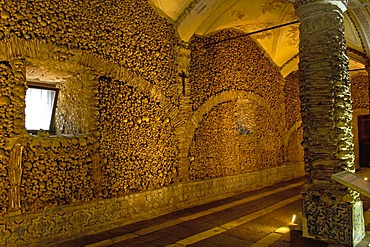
331,212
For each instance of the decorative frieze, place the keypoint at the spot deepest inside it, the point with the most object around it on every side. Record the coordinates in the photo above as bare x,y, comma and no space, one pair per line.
299,3
69,221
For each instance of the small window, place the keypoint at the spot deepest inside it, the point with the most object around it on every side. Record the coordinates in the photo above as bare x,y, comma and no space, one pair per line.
40,107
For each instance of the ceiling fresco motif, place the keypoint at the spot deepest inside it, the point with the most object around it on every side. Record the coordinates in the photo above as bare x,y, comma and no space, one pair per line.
204,17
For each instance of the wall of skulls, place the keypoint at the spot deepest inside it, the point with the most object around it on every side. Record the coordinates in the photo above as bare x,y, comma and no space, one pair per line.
77,84
137,143
294,148
76,111
12,86
360,106
238,136
57,171
39,171
134,147
235,138
236,64
127,32
292,101
360,91
132,35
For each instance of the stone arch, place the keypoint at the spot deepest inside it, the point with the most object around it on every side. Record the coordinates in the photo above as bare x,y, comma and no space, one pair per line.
223,97
35,49
358,16
45,53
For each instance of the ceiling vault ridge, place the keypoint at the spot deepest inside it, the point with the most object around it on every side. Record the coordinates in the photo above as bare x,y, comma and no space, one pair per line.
254,32
186,11
289,61
353,18
221,15
273,24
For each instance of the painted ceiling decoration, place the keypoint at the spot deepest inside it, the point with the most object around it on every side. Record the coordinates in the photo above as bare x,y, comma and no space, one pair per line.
204,17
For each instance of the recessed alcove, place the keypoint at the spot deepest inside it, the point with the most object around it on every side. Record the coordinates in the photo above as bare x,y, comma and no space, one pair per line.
75,83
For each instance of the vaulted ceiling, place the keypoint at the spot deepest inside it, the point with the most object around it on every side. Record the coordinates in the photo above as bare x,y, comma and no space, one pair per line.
204,17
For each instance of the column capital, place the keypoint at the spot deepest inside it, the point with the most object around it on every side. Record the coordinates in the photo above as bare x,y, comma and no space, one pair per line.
304,7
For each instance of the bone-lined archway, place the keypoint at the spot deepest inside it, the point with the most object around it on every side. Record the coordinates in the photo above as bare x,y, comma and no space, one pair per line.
34,49
188,130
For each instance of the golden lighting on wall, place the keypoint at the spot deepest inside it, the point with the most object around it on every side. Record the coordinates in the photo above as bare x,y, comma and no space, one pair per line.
294,218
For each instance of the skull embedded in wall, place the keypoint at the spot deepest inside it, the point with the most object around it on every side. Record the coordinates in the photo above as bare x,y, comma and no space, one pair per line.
35,145
75,143
55,146
82,142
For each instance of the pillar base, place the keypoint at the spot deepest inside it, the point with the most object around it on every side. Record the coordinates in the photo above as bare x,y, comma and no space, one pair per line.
337,224
365,242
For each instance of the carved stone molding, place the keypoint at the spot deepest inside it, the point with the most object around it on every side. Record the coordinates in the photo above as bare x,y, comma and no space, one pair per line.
70,221
362,22
319,3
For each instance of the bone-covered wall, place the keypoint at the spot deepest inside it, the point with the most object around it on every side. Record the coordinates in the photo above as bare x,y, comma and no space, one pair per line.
12,86
39,171
235,64
118,118
360,91
113,138
137,144
131,35
292,101
57,171
235,138
127,32
238,135
294,148
360,105
76,108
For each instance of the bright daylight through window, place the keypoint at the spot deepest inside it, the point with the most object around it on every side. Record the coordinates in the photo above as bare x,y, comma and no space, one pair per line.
40,108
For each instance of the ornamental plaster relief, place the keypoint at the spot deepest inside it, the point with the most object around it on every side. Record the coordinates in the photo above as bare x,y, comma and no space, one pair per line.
320,3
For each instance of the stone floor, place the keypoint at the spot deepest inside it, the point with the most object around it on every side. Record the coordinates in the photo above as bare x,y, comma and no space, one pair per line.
256,218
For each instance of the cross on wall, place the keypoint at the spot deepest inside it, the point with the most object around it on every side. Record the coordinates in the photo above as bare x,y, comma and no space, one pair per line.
183,77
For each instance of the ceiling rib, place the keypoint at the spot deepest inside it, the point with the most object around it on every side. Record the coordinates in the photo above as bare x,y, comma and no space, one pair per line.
254,32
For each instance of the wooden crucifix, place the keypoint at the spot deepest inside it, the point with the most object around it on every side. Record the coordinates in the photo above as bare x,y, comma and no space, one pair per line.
183,77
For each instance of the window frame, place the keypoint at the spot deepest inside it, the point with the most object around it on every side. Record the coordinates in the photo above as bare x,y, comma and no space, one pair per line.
45,86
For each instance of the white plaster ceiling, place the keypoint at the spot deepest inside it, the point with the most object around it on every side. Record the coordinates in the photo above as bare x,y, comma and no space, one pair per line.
204,17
